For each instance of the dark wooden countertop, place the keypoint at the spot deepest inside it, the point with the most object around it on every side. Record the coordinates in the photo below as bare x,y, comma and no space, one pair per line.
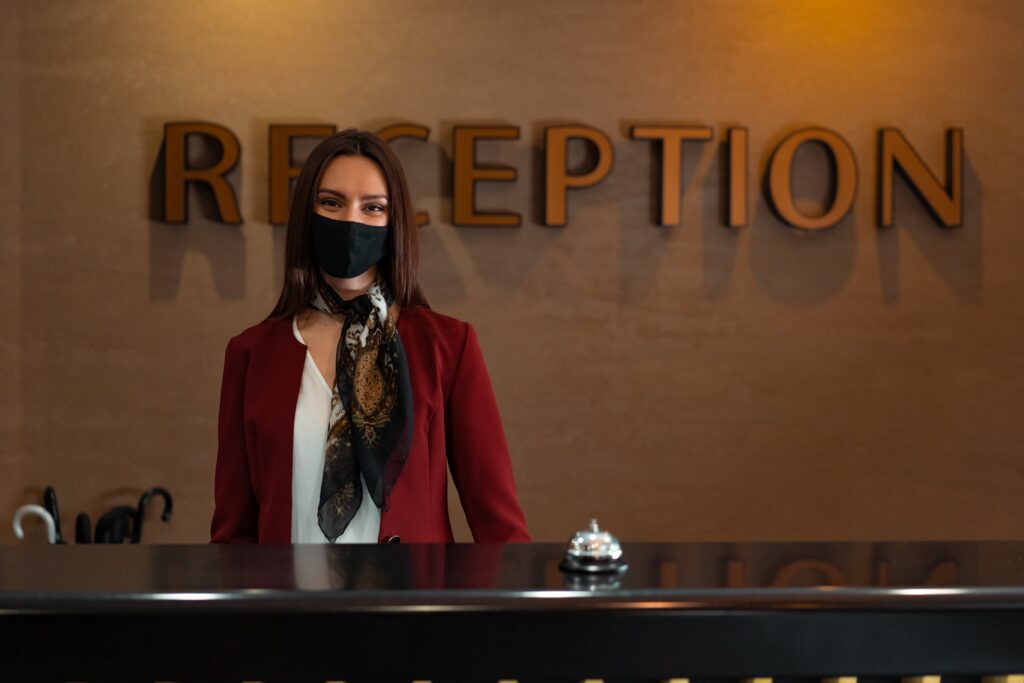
506,611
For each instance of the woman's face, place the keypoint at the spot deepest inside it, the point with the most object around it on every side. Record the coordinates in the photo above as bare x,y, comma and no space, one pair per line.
353,188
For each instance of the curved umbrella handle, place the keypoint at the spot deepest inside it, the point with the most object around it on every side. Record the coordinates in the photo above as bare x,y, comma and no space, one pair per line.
141,510
42,513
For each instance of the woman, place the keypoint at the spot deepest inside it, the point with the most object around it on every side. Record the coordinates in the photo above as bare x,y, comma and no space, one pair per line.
341,410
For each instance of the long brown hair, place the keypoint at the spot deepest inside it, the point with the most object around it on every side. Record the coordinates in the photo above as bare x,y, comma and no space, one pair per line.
400,268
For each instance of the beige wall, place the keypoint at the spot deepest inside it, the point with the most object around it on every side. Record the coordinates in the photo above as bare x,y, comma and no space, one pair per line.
689,382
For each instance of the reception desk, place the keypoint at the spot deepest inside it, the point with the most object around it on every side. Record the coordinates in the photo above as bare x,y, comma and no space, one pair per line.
488,612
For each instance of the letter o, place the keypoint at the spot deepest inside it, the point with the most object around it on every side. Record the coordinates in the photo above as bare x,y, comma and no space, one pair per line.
844,179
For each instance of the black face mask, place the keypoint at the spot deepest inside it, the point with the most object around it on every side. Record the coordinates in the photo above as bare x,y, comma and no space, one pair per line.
346,248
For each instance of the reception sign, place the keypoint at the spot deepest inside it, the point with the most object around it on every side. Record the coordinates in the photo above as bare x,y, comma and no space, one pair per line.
941,195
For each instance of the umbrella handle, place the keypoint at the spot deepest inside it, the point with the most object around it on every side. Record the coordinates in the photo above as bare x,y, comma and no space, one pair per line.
83,528
115,525
50,503
118,529
102,531
141,510
38,511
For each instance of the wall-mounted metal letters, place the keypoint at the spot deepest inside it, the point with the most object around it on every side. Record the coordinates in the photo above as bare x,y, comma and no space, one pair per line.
942,198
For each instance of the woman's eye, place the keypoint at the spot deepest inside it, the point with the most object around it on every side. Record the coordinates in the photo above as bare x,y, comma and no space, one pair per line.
376,208
327,201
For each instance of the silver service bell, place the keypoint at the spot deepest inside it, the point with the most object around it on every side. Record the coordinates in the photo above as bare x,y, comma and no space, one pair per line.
593,551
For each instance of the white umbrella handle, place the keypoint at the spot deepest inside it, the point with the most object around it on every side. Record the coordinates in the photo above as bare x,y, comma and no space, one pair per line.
38,511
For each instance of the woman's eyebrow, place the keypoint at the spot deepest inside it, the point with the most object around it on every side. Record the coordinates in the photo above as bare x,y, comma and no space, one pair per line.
324,190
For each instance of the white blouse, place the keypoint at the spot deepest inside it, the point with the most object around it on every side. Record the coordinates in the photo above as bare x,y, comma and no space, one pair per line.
312,418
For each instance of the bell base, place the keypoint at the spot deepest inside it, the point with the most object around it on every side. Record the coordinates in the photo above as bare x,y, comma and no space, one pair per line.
570,564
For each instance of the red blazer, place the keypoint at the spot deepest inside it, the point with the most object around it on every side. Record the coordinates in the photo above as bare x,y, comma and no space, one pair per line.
456,423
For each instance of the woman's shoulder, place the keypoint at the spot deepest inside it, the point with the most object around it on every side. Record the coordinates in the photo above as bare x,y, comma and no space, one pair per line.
271,331
421,324
422,316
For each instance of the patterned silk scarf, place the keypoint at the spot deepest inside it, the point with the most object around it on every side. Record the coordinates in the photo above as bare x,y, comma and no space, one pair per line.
371,420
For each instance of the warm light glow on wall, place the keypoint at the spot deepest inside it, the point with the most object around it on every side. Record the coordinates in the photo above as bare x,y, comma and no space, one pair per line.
836,24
